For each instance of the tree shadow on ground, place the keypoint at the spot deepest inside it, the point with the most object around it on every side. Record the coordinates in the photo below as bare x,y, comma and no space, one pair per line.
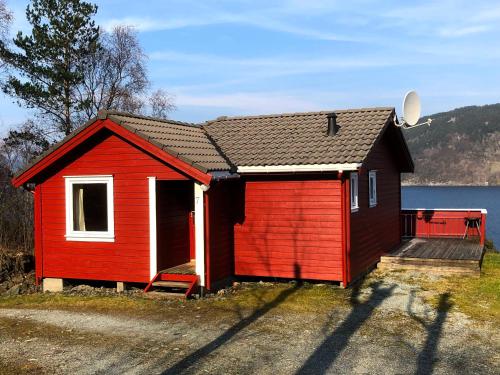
198,355
328,351
428,355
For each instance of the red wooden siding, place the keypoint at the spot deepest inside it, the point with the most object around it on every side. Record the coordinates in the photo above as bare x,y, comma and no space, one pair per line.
291,229
38,233
173,206
126,259
375,230
223,209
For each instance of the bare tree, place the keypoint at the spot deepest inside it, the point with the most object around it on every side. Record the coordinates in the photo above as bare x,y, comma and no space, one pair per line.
23,144
116,77
161,104
5,21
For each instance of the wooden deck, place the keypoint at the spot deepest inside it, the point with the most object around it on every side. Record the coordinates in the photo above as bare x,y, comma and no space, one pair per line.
181,269
439,255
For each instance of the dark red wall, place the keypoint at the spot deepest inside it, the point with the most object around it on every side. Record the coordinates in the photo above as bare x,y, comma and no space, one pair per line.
290,228
174,203
376,230
223,201
126,259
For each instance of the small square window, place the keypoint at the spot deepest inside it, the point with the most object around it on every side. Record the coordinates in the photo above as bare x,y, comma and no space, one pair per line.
354,192
372,187
89,208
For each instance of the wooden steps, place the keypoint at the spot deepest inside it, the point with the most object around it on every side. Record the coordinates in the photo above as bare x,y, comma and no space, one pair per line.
177,284
172,284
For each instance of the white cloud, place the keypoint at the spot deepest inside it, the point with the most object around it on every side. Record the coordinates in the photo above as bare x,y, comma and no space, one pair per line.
454,32
253,102
280,65
145,24
266,18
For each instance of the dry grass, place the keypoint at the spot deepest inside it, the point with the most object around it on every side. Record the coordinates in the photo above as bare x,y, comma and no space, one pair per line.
118,303
291,297
476,297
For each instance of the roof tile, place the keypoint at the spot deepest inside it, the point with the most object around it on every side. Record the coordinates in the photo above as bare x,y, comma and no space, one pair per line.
298,138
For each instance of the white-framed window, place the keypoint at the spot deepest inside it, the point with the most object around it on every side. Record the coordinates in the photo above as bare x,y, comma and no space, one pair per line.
354,192
372,187
89,208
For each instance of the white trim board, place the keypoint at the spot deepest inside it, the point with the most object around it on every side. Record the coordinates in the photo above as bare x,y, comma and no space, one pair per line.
483,210
89,236
299,168
199,232
152,228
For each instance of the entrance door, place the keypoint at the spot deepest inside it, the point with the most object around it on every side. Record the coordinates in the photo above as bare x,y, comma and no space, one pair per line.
174,204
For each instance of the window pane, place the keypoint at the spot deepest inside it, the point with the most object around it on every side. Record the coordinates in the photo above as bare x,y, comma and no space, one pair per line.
354,190
90,209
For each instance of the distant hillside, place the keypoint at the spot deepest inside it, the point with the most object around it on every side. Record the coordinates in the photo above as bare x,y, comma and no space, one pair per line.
461,147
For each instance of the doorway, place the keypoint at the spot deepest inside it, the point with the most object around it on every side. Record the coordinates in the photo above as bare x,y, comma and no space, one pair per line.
175,223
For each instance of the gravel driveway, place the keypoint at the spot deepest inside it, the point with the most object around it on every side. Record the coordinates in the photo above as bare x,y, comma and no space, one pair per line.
386,328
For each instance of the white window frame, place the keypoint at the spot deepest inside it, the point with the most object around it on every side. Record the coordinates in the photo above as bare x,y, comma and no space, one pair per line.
372,180
354,191
90,236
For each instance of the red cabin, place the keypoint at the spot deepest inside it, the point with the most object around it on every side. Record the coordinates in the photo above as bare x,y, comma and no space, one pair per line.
128,198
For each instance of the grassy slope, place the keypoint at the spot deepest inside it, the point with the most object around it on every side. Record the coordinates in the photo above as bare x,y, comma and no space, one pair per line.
476,297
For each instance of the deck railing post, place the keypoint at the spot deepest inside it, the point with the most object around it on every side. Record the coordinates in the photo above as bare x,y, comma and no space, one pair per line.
483,229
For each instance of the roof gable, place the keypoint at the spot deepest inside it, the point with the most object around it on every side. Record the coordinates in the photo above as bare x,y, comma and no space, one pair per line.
189,142
127,131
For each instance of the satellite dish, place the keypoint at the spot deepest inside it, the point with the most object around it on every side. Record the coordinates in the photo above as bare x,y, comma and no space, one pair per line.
411,108
411,112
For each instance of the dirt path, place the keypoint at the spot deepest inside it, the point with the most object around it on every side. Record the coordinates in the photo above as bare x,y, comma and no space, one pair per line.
388,330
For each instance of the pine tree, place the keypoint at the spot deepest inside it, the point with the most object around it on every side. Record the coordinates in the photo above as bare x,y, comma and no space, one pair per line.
48,65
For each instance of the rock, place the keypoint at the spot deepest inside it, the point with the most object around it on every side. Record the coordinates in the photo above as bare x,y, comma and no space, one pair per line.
83,288
13,291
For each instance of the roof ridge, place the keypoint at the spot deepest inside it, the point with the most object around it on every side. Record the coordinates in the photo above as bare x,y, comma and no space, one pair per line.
292,114
103,114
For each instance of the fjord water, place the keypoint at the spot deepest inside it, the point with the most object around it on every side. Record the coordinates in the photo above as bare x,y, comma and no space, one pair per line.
458,197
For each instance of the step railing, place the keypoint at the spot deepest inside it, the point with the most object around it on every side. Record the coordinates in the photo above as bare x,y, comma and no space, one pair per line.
443,222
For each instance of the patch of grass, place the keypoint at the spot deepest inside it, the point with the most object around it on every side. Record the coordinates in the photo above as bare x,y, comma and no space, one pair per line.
91,303
290,296
476,297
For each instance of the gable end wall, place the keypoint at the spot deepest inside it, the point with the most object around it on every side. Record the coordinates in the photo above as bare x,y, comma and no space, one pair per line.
126,259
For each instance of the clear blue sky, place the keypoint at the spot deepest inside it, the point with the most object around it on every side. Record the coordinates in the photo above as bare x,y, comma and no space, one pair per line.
230,57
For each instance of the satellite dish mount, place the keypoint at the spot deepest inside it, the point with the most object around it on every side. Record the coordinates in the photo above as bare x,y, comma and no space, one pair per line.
411,112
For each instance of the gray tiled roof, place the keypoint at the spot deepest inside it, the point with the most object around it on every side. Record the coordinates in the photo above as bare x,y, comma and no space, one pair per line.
186,141
283,139
299,138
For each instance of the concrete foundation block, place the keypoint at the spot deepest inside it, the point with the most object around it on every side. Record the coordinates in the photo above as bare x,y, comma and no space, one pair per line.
120,286
52,285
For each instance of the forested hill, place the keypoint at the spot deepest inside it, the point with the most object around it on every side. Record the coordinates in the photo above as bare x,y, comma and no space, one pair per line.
461,147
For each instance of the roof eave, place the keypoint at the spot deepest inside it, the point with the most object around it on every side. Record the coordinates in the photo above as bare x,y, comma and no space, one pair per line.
337,167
